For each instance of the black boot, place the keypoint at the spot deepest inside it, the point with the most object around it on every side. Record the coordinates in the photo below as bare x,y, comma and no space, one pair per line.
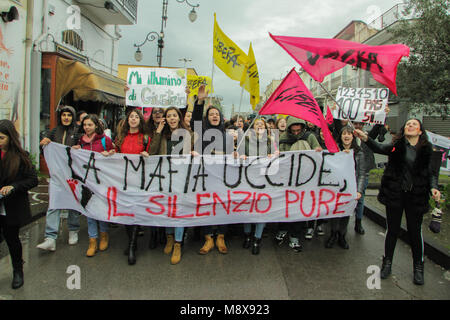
386,268
17,275
342,242
247,241
132,246
153,243
332,239
358,227
256,246
418,273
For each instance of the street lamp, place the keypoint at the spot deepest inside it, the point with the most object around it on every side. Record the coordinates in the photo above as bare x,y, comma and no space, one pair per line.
185,60
192,14
151,36
154,35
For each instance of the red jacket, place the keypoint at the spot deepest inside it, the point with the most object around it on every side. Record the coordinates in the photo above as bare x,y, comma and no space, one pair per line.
96,143
134,143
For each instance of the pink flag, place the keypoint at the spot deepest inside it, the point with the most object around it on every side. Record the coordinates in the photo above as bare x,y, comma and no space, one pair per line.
320,57
329,117
293,98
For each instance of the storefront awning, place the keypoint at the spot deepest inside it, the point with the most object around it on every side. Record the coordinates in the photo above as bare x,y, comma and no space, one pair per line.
87,84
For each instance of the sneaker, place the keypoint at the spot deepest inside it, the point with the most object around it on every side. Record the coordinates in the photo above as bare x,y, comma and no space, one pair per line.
309,233
73,237
48,244
281,237
319,231
295,244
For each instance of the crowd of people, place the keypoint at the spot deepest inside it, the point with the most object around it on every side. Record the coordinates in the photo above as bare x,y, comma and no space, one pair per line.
406,185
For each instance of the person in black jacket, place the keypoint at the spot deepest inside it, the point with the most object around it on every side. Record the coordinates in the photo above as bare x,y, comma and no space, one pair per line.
212,128
17,176
67,133
406,185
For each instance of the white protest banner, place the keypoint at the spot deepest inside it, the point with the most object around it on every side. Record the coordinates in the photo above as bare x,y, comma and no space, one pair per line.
362,104
194,191
442,144
156,87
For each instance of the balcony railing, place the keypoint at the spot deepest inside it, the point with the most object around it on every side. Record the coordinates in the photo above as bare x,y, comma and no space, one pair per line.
130,6
389,17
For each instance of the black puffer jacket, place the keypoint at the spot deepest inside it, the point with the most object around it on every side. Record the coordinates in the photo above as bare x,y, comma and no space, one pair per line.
422,175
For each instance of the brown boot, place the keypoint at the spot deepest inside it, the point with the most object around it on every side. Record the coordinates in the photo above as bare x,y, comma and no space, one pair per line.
104,239
169,244
176,255
209,244
220,243
92,247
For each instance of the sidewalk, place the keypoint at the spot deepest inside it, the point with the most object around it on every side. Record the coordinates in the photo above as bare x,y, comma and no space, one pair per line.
434,247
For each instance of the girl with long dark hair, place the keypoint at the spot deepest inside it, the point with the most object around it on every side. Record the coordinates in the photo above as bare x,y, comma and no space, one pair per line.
94,139
132,139
339,225
163,143
17,176
406,185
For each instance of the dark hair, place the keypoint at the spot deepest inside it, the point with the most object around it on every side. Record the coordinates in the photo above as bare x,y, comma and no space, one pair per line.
150,127
354,145
95,120
166,131
125,128
423,138
15,155
79,113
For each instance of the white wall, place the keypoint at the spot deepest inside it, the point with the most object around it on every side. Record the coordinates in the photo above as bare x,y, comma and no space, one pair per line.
100,41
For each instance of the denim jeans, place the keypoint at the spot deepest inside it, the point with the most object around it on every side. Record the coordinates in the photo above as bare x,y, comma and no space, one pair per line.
259,228
360,206
179,231
52,222
93,227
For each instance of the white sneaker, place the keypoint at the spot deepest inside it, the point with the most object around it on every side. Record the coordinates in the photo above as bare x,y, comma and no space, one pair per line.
73,237
309,233
49,244
320,231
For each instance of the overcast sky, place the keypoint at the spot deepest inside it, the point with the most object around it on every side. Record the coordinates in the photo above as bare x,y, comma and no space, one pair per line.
244,22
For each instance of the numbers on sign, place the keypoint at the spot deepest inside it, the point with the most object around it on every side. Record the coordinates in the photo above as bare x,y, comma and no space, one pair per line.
384,93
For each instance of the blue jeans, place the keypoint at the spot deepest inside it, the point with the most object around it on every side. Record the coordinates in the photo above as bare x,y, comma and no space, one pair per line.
93,227
52,222
360,206
179,231
259,228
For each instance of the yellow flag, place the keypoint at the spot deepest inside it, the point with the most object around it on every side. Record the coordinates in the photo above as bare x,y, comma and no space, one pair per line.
227,55
250,79
194,82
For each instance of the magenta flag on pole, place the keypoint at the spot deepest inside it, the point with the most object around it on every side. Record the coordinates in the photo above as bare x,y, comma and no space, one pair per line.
329,117
320,57
293,98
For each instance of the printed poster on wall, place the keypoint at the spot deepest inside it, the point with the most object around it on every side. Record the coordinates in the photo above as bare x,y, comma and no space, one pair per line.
12,65
156,87
362,104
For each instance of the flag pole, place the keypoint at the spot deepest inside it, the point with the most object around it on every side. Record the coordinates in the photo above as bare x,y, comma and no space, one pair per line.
240,102
337,104
245,133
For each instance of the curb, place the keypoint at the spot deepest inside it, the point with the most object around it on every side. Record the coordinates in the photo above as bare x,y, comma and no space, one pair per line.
435,252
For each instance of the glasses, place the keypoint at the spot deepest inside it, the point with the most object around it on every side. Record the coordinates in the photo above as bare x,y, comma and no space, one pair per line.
154,111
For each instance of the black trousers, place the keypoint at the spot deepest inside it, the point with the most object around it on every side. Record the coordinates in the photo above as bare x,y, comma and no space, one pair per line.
11,236
414,218
339,224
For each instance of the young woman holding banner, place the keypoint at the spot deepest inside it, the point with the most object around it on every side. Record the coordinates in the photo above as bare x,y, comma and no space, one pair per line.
257,143
17,176
339,225
133,140
162,143
94,139
213,120
406,185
